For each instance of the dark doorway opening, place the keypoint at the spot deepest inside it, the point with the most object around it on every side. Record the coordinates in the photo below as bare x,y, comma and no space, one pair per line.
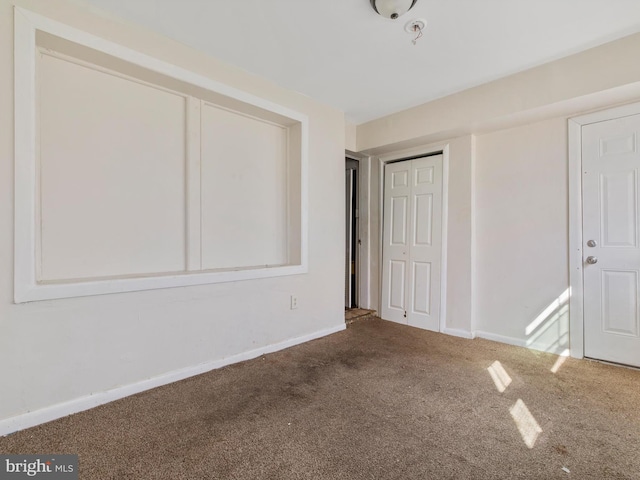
352,240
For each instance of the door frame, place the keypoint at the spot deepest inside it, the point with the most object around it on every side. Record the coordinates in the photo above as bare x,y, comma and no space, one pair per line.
355,235
363,251
576,286
409,154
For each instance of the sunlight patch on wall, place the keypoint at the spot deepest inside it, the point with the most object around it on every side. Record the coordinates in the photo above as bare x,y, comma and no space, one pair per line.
526,423
549,331
499,376
547,312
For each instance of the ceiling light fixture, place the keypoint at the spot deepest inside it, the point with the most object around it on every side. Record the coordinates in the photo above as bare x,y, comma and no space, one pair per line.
392,8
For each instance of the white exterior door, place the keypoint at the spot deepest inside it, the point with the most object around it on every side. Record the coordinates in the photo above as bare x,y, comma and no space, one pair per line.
611,240
412,237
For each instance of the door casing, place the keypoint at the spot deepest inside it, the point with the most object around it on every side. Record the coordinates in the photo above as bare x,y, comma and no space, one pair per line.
363,179
576,288
409,154
352,234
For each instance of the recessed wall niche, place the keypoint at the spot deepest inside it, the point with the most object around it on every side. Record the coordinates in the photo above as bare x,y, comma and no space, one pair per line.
132,173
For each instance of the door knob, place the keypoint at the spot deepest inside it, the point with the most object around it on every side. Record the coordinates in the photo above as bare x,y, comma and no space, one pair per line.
592,243
592,260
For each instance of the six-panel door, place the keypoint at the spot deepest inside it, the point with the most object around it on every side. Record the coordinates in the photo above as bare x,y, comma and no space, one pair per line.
412,247
611,240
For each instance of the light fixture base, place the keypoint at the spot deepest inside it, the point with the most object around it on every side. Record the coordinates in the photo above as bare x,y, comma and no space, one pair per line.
415,25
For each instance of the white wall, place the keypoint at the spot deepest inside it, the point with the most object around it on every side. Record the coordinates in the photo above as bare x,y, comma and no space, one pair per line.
56,351
350,136
521,193
460,224
507,235
93,220
591,79
508,231
244,188
459,216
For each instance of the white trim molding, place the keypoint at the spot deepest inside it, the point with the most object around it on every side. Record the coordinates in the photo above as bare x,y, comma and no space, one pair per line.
456,332
519,342
576,309
364,228
48,414
494,337
26,283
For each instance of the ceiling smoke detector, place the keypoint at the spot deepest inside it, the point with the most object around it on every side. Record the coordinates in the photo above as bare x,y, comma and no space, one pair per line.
392,8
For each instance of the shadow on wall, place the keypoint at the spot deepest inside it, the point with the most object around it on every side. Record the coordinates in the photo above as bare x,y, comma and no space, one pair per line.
549,331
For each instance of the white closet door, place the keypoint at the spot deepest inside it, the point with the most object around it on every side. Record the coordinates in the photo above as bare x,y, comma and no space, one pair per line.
412,242
425,227
395,250
611,236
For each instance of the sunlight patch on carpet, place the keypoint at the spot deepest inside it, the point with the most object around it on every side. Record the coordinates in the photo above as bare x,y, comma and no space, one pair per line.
526,423
499,376
561,359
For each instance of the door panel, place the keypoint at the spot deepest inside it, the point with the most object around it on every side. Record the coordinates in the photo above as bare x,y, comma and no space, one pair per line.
611,162
617,205
426,239
400,178
395,250
421,299
620,302
399,221
397,285
424,227
424,175
412,242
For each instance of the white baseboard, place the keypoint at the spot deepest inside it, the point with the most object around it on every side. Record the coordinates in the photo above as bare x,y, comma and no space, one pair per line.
47,414
519,342
501,338
456,332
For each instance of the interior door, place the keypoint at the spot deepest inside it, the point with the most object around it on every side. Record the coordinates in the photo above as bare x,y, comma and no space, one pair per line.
611,234
395,233
412,233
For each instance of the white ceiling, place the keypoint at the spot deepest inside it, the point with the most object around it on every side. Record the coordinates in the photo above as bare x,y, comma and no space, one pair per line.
342,53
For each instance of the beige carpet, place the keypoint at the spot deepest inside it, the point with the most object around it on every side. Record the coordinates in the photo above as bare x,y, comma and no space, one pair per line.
378,401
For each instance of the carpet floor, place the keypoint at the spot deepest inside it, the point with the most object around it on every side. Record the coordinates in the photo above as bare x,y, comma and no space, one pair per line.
377,401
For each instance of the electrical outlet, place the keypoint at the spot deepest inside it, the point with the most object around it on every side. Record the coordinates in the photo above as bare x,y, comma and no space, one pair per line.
294,302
